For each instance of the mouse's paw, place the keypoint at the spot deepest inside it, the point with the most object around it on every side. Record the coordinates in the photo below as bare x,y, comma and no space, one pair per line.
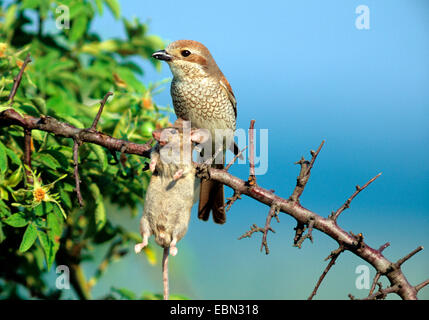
178,174
152,165
173,251
139,246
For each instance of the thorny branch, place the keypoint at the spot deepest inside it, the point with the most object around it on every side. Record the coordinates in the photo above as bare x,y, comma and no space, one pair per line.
27,155
235,158
333,256
18,78
291,206
334,215
252,177
274,210
100,110
304,174
76,170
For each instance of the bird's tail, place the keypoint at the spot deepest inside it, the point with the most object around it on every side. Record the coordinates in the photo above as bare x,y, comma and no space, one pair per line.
212,198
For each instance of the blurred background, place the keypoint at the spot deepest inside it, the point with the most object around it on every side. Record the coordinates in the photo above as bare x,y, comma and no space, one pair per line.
305,72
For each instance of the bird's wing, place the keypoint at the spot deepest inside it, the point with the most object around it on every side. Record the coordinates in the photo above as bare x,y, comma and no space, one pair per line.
227,87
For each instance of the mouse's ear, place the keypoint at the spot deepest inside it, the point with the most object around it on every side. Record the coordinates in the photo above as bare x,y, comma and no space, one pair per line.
156,134
200,135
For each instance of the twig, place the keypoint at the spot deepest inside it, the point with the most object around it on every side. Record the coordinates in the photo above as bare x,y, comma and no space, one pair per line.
358,243
18,78
210,160
382,293
384,246
314,155
235,158
100,110
299,238
231,200
274,210
408,256
304,174
334,215
333,256
76,171
421,285
253,228
27,154
374,283
252,178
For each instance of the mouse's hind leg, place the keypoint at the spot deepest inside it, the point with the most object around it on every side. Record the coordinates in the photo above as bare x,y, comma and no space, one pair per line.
146,233
173,248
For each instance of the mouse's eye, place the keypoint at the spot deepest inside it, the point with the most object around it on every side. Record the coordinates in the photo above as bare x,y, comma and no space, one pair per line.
185,53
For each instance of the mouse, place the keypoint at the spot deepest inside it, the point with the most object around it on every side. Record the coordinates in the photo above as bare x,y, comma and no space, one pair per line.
172,190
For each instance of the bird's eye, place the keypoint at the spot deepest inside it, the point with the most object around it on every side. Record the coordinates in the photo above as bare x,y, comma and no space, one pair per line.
185,53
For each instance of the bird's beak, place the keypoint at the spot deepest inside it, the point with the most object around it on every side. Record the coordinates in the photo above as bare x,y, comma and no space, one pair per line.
162,55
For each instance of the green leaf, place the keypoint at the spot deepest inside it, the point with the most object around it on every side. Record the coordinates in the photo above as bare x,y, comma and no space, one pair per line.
114,7
10,16
16,220
30,4
13,156
15,178
100,211
55,222
55,225
101,155
3,158
78,27
29,237
125,293
99,4
40,104
4,194
4,209
2,235
47,160
48,248
46,245
38,256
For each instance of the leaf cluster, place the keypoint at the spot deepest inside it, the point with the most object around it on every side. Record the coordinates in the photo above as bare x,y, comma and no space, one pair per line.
71,71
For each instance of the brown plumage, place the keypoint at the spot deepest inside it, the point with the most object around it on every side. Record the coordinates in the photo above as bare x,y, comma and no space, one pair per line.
202,95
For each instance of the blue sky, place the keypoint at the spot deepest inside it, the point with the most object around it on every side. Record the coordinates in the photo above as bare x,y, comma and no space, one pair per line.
303,70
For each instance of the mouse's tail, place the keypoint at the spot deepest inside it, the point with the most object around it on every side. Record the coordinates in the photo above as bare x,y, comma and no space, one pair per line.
165,272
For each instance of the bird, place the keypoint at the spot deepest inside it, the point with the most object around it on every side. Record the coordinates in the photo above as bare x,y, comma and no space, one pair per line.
202,95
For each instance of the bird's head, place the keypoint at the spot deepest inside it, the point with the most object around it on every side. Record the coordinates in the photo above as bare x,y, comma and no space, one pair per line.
188,58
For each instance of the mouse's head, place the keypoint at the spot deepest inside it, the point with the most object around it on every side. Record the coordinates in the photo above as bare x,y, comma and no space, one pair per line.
180,131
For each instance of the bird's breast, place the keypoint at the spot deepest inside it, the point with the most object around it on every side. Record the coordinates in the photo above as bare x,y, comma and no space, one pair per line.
203,102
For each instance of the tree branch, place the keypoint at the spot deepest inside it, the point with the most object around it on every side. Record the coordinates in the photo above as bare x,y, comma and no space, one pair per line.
355,244
252,177
18,78
100,110
76,171
27,155
304,174
333,256
334,215
61,129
